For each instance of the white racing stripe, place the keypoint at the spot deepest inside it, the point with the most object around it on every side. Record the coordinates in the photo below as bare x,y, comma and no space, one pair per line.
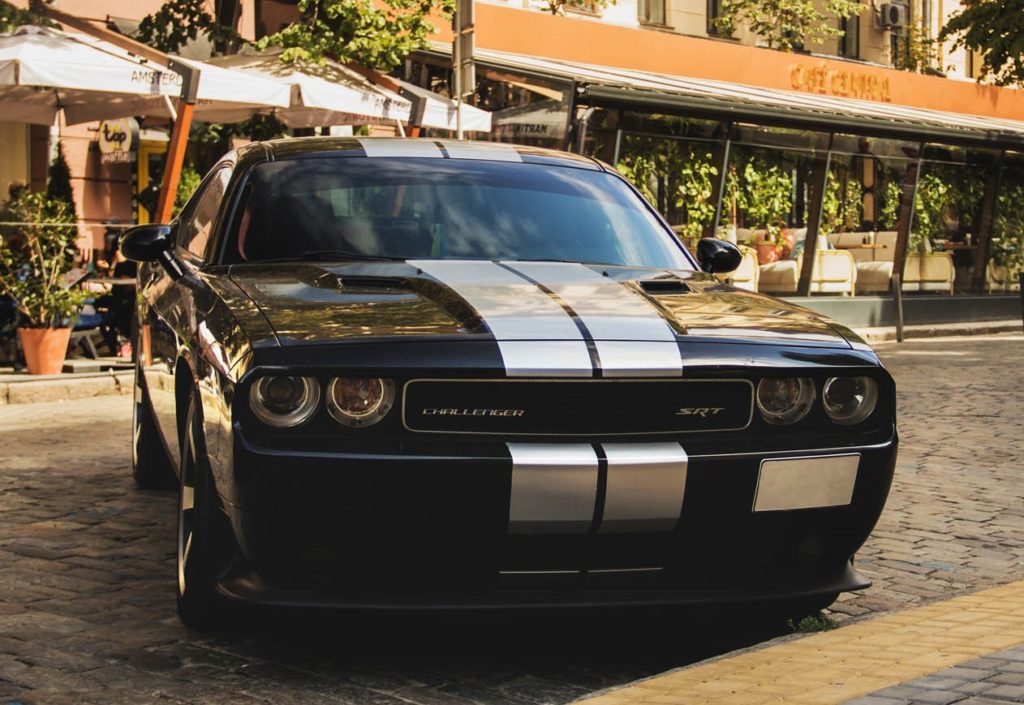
554,488
632,339
400,148
490,151
646,484
535,335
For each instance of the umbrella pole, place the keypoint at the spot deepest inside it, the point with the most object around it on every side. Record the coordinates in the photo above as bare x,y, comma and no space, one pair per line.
174,162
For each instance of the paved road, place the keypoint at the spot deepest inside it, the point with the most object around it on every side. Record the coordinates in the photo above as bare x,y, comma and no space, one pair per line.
86,570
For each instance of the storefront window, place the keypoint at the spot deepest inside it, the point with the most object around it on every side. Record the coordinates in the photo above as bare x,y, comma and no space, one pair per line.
674,162
524,109
943,240
1006,250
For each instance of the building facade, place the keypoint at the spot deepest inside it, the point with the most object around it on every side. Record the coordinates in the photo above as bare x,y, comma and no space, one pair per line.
710,128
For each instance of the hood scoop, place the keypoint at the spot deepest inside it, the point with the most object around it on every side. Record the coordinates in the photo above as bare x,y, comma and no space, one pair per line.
663,287
338,282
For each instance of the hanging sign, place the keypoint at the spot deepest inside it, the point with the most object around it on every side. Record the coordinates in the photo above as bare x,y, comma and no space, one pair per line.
116,140
846,83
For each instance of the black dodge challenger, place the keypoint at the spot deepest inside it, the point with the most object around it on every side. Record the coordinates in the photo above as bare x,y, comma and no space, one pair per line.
409,373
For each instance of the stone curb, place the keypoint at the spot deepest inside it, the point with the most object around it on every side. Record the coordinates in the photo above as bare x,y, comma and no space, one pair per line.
940,330
66,387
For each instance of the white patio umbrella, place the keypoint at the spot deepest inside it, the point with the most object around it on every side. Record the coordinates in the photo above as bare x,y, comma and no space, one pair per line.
327,94
44,71
439,112
224,95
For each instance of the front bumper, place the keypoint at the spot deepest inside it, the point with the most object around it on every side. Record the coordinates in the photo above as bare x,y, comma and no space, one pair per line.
420,530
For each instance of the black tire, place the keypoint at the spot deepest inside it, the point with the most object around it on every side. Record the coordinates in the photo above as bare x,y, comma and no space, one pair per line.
151,467
204,538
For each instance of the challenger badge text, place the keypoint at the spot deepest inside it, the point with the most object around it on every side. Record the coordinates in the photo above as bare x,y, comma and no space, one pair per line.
473,412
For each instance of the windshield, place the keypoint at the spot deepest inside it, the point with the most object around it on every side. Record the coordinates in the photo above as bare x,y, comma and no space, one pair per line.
409,208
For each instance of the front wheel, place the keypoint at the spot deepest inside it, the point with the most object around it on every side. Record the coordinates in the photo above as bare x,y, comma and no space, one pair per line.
203,531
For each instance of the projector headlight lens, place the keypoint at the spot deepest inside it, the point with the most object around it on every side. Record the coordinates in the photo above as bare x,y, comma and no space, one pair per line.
360,401
284,402
849,400
784,400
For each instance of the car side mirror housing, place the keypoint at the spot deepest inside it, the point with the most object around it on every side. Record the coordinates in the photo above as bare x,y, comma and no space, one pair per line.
151,243
718,256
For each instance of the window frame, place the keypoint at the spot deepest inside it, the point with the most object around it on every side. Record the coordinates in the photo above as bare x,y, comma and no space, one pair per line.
643,12
843,45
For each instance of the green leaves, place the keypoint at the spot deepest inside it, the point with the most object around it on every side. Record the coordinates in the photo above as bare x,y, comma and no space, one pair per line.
35,257
378,35
684,170
12,17
178,22
787,24
994,28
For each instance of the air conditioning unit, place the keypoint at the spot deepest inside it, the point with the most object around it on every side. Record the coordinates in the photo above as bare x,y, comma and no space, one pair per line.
892,15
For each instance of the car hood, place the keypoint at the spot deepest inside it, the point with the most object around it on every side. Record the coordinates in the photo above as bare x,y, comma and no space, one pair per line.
308,303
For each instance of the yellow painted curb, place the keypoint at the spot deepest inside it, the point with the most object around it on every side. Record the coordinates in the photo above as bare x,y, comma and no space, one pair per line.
832,667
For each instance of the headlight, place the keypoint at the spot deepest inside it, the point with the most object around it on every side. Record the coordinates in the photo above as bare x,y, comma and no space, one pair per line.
283,402
359,401
849,400
784,400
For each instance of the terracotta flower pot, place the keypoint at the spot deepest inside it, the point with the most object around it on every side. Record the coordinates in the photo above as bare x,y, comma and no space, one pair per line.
45,349
767,252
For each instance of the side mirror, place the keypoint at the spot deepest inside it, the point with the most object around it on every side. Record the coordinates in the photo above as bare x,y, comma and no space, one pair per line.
718,256
151,243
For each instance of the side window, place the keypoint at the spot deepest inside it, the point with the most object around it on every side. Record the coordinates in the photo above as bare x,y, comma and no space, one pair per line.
197,223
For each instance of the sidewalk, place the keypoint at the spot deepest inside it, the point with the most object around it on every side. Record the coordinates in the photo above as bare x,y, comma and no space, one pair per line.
884,334
20,388
968,650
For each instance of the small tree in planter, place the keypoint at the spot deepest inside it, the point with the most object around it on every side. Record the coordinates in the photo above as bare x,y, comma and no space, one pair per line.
34,259
767,191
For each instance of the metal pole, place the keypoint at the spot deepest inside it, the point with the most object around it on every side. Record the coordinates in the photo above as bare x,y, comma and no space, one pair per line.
897,282
457,68
1021,279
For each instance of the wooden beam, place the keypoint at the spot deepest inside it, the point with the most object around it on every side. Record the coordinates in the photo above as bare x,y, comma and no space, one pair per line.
174,161
108,35
374,76
819,179
989,203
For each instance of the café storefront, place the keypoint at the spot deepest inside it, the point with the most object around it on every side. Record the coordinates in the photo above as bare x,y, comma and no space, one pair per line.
896,193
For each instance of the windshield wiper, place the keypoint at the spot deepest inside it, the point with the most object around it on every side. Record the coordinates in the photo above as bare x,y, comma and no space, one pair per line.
321,255
563,261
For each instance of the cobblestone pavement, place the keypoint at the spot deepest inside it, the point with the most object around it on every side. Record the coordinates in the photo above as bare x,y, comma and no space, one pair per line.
993,680
86,569
955,518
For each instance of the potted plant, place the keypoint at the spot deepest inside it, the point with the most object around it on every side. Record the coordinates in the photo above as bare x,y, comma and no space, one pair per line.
35,257
767,194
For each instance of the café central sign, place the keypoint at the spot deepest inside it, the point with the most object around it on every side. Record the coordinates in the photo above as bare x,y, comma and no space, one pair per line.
846,83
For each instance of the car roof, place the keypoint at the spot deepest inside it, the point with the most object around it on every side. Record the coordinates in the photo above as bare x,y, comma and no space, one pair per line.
407,147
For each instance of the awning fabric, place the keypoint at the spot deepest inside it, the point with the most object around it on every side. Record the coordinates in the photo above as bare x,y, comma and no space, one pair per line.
327,94
224,95
735,101
439,112
44,70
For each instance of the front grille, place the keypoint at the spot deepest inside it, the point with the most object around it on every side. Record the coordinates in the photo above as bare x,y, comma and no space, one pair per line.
577,407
